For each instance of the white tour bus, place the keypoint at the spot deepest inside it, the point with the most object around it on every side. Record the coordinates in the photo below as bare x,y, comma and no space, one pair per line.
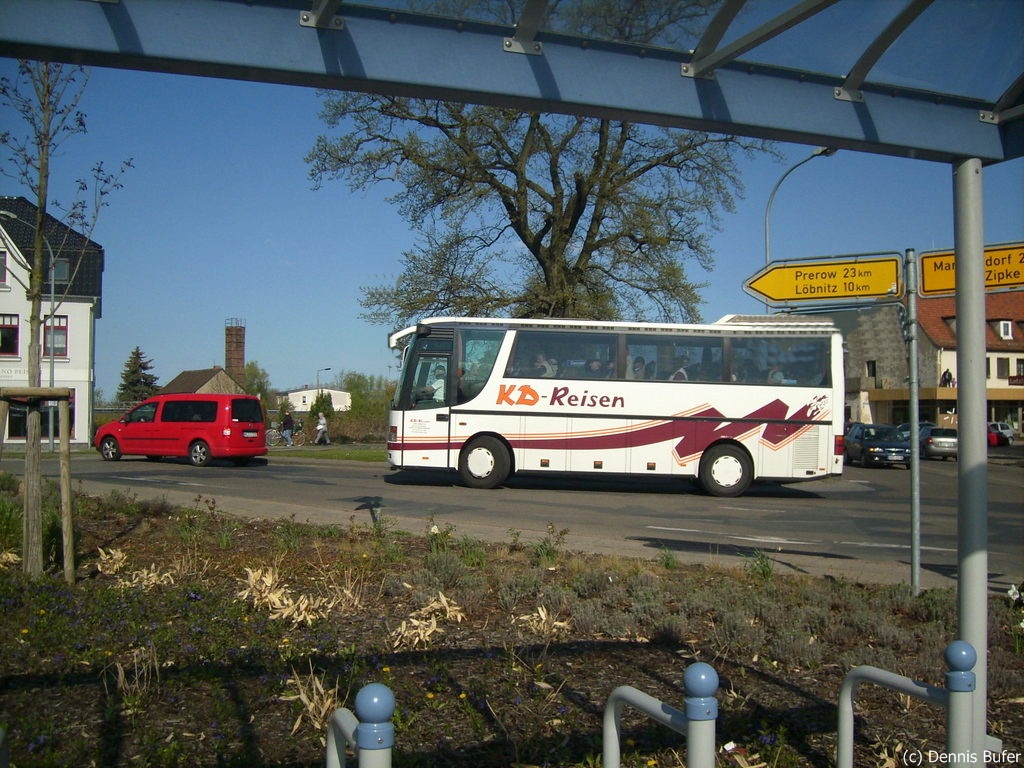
722,404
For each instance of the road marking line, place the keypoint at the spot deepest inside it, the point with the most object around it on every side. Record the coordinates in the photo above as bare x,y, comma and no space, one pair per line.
773,540
764,539
776,540
144,479
870,545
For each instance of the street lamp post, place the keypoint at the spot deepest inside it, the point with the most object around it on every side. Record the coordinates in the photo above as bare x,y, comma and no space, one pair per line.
318,380
819,152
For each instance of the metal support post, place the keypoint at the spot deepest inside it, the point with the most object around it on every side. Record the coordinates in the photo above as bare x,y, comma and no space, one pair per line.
972,463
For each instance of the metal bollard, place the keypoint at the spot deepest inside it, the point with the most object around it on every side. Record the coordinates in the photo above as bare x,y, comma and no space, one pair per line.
370,731
700,683
957,698
697,722
960,682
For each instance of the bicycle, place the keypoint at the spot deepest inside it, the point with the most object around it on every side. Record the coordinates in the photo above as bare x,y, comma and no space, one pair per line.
274,437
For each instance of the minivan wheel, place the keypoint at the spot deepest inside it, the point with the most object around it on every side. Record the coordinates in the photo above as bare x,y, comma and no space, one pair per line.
199,453
109,449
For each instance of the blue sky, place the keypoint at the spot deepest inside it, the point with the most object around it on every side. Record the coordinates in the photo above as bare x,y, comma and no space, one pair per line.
218,220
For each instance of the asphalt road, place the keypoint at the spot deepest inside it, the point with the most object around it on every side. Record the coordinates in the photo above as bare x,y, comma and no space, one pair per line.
856,527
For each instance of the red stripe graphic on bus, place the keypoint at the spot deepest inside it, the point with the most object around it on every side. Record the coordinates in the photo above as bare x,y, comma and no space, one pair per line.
695,432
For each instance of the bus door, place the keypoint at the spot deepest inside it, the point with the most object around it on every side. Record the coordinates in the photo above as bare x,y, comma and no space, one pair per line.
426,414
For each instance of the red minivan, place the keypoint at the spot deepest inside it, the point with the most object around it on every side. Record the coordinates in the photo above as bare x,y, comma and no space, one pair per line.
200,427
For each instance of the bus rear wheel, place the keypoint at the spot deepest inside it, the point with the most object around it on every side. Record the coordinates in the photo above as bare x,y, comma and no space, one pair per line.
725,470
484,463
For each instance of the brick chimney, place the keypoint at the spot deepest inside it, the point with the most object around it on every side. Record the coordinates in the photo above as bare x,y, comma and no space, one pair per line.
234,348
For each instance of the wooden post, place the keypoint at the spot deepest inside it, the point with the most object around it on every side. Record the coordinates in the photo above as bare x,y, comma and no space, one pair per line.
66,524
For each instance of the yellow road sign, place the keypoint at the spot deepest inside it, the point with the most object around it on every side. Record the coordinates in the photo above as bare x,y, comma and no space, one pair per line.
1004,270
846,278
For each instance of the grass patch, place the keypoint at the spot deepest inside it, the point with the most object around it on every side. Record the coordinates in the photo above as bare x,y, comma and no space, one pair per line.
192,638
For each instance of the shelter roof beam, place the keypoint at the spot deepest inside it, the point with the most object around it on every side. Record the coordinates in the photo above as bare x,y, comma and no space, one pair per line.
524,40
850,89
708,57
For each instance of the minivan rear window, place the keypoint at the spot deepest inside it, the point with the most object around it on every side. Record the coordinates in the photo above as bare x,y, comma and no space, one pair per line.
246,410
190,410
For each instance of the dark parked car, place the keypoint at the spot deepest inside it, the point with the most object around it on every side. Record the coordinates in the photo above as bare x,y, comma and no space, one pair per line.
876,444
939,443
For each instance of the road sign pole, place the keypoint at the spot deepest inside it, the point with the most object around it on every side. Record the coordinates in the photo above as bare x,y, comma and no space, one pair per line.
910,331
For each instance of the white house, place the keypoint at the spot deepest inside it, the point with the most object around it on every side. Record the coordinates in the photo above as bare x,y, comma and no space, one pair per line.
302,399
74,288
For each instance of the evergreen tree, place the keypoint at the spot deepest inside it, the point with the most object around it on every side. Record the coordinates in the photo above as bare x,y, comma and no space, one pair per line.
322,404
137,383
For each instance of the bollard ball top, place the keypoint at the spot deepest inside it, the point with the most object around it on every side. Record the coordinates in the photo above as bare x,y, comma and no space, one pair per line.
961,656
700,680
375,703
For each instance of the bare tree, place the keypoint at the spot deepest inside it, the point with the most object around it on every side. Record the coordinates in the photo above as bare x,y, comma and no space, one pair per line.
540,215
46,97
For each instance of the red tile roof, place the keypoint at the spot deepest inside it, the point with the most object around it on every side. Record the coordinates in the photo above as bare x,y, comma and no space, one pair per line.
937,318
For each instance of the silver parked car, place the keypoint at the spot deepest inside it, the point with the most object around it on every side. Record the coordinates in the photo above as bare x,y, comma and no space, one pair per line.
938,443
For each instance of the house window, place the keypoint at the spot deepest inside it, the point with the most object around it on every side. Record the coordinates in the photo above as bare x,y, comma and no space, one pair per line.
872,368
55,340
61,271
1020,366
9,335
988,368
1002,367
1005,330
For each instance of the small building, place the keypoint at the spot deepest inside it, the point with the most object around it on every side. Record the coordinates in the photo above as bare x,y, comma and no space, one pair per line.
302,399
207,381
877,371
73,288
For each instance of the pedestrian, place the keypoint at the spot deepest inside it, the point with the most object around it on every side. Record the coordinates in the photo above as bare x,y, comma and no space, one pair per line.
287,427
321,431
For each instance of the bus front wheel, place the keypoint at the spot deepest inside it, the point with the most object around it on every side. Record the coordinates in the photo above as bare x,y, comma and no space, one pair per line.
725,470
484,463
